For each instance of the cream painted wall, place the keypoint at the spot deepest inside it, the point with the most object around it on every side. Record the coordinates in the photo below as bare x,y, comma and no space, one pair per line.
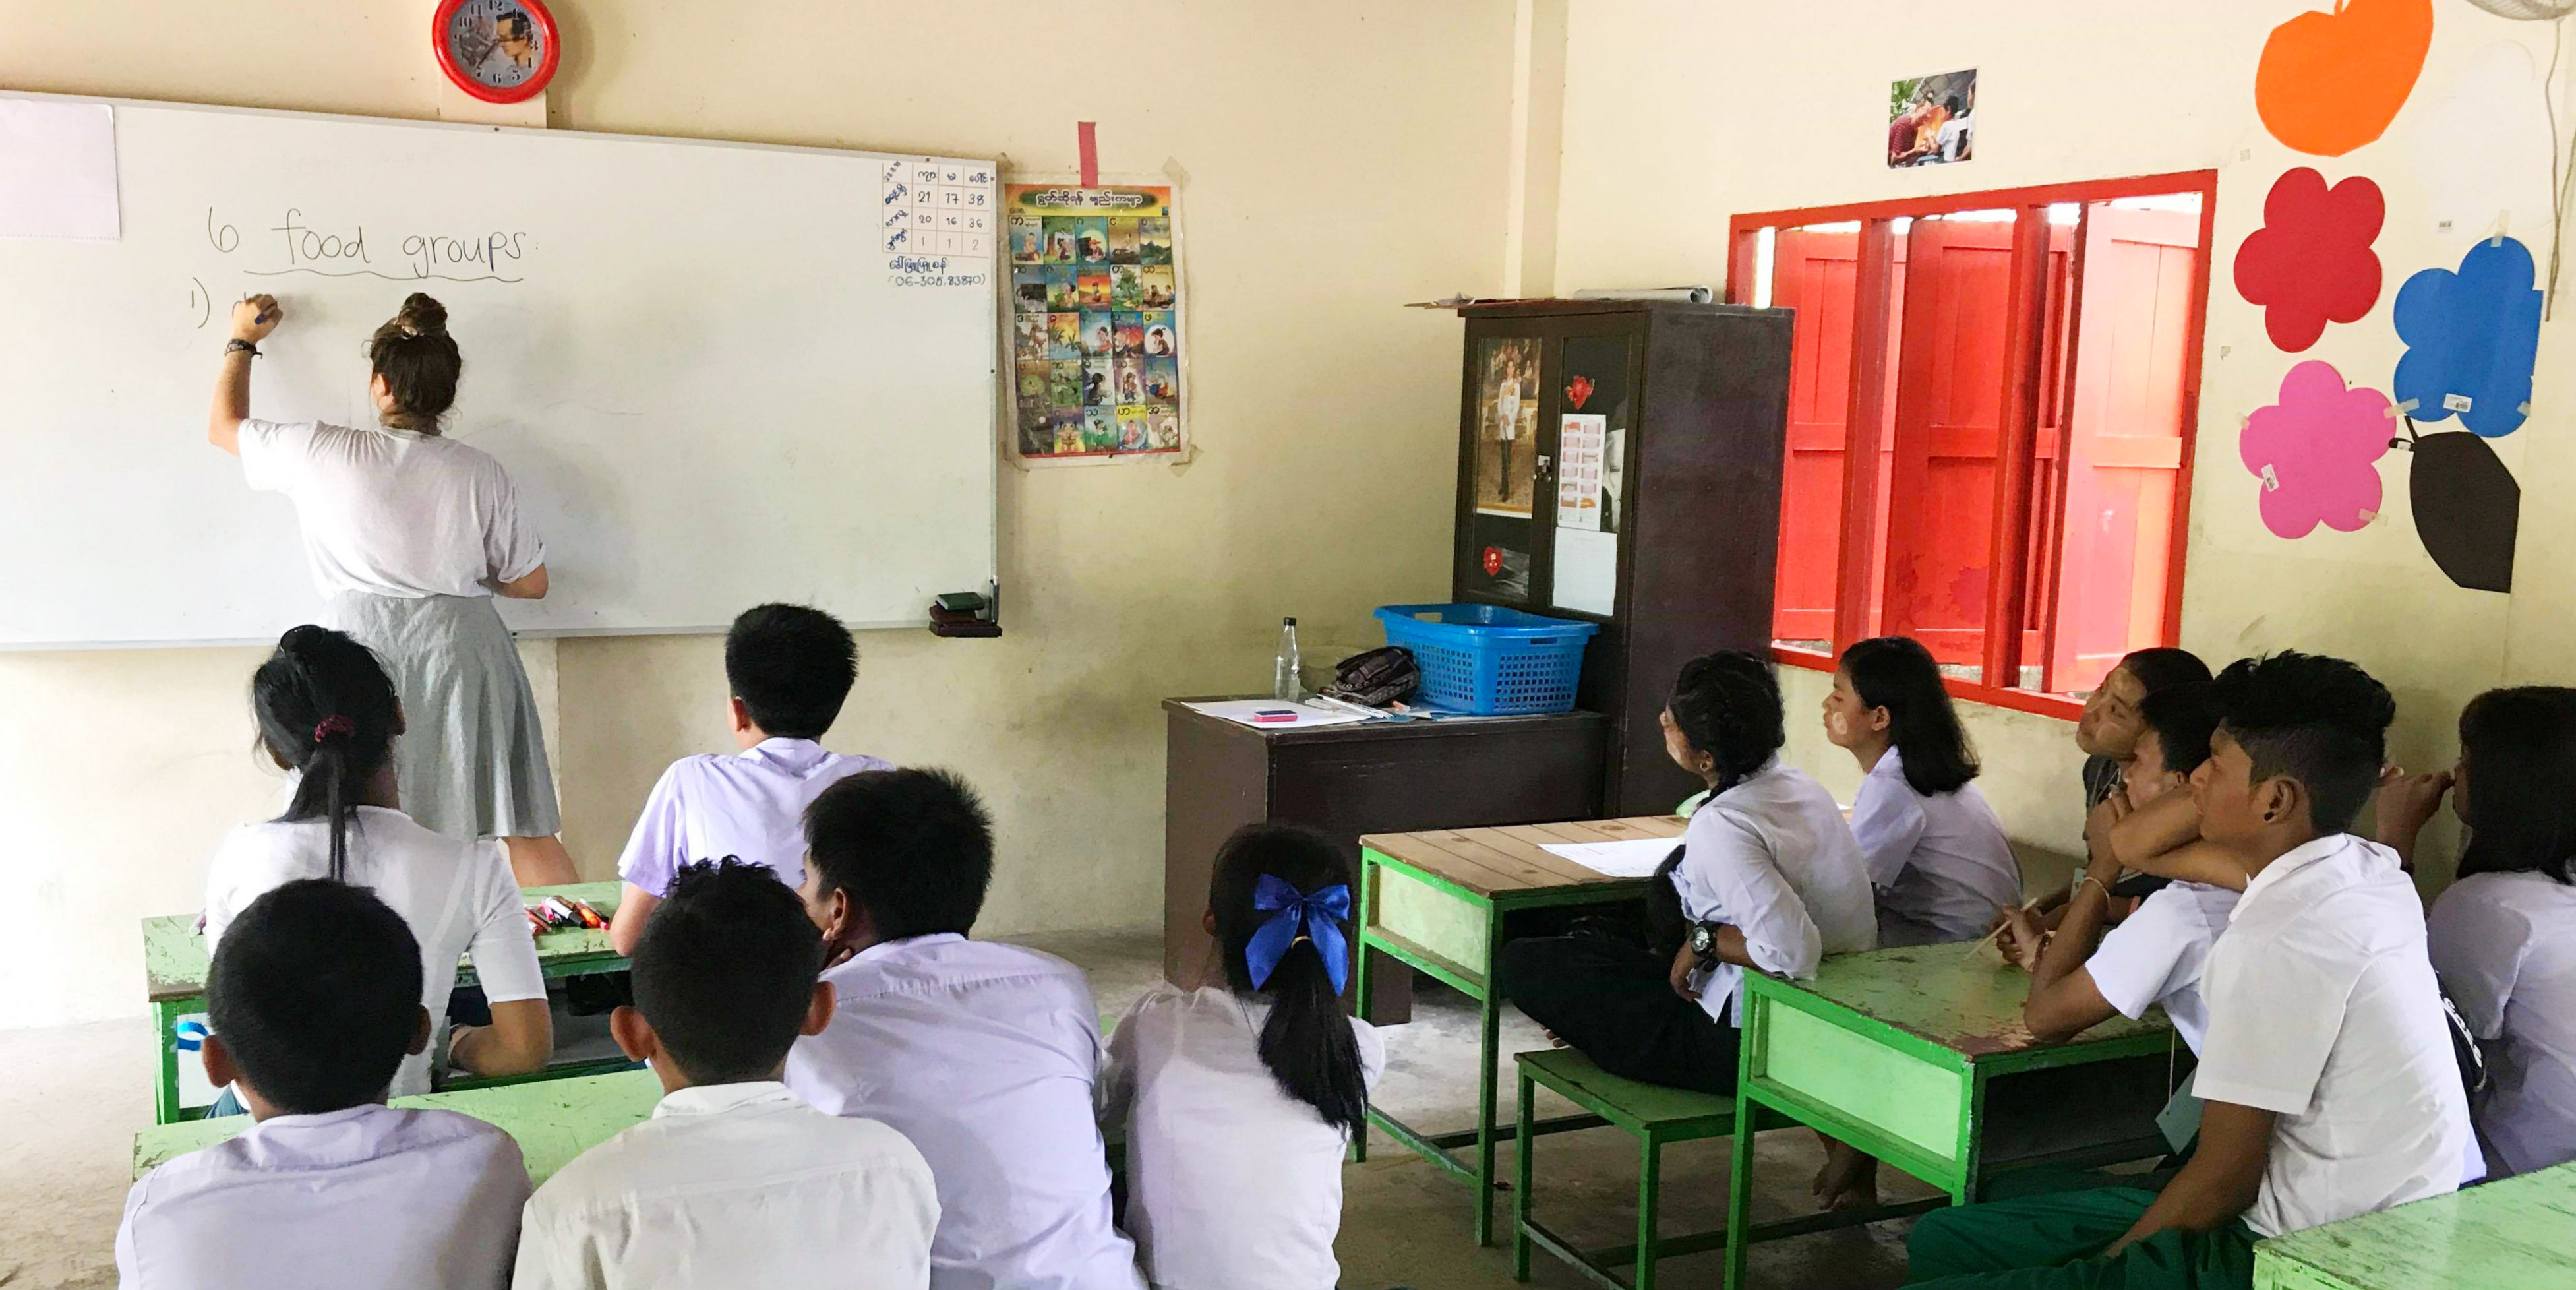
1340,157
1677,116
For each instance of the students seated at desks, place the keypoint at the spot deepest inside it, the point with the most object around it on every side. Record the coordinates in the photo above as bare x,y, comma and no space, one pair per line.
327,712
2114,713
2327,1078
2158,954
1767,877
789,668
1239,1099
733,1182
315,998
2504,934
983,1054
1936,852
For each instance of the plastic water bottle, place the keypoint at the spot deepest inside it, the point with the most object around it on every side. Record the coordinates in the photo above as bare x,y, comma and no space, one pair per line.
1287,684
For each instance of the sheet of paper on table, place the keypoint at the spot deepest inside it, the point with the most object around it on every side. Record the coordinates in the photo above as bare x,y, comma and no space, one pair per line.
1309,716
1634,858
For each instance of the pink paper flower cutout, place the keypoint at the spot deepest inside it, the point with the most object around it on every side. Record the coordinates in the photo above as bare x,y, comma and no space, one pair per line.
2315,452
2311,262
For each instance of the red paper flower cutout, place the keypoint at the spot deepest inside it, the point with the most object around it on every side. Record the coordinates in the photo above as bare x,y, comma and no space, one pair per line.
2311,262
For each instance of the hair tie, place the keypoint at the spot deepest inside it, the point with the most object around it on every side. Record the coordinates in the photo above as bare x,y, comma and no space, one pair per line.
1315,916
335,724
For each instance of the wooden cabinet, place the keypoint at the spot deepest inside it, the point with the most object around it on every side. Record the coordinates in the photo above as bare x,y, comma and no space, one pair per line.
1619,462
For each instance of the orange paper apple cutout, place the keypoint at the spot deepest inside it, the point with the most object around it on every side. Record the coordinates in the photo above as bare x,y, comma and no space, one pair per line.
2331,82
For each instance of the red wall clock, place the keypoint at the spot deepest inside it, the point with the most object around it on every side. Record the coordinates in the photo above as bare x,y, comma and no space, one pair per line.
499,51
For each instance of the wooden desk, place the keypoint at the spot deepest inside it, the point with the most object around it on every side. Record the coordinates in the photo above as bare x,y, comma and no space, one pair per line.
1354,779
2514,1233
553,1121
1918,1056
1435,902
175,964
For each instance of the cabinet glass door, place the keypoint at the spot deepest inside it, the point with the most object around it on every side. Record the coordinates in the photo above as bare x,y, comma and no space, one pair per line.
1595,411
1501,559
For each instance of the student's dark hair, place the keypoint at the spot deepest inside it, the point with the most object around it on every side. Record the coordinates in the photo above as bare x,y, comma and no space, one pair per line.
725,971
2183,717
1898,674
419,362
1728,705
914,848
2321,721
2164,667
2519,745
327,711
1306,1041
315,991
1954,105
792,667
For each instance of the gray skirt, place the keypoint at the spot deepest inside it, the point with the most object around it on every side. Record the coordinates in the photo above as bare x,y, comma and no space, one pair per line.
472,759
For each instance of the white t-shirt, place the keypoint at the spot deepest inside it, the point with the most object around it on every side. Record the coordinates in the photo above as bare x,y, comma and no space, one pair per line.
2157,955
458,897
2505,945
2323,1010
1232,1184
750,806
1772,858
394,512
1940,861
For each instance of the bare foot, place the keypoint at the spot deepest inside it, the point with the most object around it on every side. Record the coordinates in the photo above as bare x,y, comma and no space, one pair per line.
1849,1179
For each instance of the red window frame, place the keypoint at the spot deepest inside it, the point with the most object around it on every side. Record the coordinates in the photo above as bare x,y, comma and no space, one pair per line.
1875,310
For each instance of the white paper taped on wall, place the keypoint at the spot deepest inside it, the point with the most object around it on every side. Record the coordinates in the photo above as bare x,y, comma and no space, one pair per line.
58,170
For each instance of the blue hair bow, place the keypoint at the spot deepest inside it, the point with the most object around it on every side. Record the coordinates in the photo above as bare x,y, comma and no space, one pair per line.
1317,916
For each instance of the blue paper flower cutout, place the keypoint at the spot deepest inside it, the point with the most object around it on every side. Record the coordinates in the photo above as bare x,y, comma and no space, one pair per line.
2472,339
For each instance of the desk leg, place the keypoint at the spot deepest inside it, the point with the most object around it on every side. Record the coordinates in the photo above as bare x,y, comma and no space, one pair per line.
1488,1049
1739,1182
1361,1003
165,1095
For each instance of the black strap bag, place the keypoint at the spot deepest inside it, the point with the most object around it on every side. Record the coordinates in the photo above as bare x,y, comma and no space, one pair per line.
1376,678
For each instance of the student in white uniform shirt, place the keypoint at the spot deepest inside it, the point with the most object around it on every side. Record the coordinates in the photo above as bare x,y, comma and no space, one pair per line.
1936,852
2504,934
315,999
327,711
789,668
1767,877
985,1055
1240,1098
2327,1078
734,1181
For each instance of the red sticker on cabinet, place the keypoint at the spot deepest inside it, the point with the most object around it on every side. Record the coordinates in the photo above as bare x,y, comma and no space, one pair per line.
1577,390
1493,560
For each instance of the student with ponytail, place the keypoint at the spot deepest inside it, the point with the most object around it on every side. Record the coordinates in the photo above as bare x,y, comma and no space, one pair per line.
327,712
1240,1098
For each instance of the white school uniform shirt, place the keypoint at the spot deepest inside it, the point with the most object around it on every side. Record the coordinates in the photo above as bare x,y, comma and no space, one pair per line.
1231,1183
2323,1010
750,805
1940,862
1772,858
735,1185
985,1055
2159,953
2505,946
367,1196
458,897
394,512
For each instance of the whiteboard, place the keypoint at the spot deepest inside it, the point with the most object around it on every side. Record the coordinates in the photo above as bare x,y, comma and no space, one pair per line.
713,381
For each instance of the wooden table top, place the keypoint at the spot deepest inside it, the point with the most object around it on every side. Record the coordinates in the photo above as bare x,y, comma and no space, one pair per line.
1961,997
1511,859
175,959
2505,1234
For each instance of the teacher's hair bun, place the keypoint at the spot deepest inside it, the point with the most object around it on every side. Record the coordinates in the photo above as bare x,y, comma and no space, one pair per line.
422,316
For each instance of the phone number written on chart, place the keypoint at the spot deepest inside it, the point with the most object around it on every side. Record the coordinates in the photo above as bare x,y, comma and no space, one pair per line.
933,271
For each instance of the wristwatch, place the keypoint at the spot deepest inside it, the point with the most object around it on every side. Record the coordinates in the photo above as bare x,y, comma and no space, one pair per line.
1703,941
239,346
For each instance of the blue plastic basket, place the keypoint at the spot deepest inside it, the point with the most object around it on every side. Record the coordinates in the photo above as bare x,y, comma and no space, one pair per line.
1488,660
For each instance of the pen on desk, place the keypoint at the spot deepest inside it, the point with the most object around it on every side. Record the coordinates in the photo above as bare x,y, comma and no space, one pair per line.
1998,930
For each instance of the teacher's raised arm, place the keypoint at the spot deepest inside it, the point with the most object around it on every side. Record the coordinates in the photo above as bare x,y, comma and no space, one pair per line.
409,535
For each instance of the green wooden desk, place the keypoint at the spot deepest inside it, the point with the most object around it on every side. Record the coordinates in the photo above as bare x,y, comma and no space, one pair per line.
1435,901
1918,1056
2519,1234
553,1121
175,965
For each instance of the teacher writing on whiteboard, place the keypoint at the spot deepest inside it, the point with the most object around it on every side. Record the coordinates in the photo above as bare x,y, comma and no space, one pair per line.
410,535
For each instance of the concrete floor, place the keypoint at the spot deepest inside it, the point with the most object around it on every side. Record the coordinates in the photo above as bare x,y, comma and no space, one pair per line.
74,1096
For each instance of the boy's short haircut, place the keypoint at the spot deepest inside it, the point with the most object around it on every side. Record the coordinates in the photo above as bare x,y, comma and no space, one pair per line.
725,971
792,666
912,847
2183,717
2319,720
315,991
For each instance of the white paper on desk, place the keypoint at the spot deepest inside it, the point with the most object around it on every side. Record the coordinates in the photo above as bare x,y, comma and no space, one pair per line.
1309,715
58,170
1633,858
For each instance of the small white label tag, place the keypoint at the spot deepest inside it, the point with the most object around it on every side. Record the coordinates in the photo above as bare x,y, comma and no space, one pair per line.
2456,402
